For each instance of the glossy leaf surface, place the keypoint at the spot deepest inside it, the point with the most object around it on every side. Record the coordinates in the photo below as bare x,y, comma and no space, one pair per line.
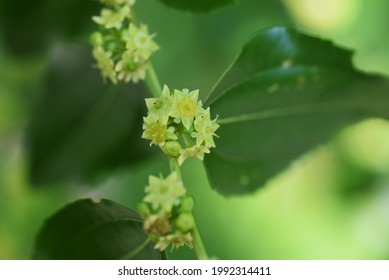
94,230
286,93
80,126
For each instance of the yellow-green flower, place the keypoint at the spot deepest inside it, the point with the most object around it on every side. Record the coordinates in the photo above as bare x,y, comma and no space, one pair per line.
205,129
176,239
160,107
163,194
140,41
130,68
162,243
157,132
195,151
105,63
112,19
186,107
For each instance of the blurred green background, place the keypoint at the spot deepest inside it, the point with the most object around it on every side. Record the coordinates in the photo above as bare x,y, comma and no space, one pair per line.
330,204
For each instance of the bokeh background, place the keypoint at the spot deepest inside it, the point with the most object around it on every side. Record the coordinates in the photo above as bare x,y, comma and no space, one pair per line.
333,203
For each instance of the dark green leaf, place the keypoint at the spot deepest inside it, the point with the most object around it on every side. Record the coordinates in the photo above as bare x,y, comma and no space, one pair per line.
285,94
81,127
29,26
94,230
197,5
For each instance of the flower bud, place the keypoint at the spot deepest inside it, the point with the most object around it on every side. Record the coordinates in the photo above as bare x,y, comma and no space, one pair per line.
112,46
185,222
187,204
97,39
172,148
144,210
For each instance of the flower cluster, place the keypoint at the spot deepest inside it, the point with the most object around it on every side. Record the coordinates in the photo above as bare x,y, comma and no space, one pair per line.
121,48
167,212
179,120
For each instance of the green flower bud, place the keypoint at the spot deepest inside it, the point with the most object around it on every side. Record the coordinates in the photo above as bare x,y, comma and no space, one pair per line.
130,65
112,46
97,39
144,210
185,222
187,204
153,237
172,148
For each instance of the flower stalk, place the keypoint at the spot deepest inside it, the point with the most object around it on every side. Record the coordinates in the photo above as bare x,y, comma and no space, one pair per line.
121,48
176,122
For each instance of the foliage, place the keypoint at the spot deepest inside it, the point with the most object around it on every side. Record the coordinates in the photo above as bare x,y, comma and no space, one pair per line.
285,94
94,230
63,146
277,90
197,6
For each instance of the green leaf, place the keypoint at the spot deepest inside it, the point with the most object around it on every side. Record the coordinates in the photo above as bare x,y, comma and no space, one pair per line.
30,26
81,127
86,229
197,5
285,94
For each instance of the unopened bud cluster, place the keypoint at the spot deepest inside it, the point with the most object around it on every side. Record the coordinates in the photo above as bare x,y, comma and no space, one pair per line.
121,48
167,212
179,120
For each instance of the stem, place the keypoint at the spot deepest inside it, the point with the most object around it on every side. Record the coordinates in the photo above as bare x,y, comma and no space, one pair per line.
153,82
186,141
175,167
136,251
197,241
199,245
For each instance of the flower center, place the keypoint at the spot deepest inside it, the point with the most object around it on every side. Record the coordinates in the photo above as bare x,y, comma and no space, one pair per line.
187,107
131,66
158,132
158,104
163,189
141,40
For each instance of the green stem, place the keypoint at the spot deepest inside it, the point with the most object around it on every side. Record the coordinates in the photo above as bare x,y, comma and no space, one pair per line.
197,241
131,255
175,167
153,82
186,141
199,245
